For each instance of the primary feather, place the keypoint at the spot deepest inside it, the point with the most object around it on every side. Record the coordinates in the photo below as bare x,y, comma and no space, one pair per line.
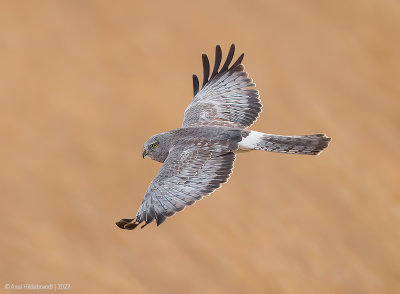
227,99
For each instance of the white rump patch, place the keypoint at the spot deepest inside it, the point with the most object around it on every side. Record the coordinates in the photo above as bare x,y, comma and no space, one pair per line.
251,141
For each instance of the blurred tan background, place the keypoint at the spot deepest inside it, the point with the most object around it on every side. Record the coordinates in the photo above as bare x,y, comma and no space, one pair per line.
84,83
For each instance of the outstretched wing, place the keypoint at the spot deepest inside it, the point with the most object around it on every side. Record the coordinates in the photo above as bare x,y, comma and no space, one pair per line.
225,98
188,174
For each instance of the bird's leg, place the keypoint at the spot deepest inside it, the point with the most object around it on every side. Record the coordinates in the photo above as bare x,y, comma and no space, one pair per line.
128,223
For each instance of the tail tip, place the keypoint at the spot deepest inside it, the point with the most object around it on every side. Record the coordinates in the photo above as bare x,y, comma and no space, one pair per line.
322,144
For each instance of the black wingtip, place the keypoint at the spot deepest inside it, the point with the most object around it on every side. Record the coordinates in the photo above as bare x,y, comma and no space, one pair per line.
206,68
144,225
228,58
238,61
216,71
128,223
196,85
160,219
121,224
217,63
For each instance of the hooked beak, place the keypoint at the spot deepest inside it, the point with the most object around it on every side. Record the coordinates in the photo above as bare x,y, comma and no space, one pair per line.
144,154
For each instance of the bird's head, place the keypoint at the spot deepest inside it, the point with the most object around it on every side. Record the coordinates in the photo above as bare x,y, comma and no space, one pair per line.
156,148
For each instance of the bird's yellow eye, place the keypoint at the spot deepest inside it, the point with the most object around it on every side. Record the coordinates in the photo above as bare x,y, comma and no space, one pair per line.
154,145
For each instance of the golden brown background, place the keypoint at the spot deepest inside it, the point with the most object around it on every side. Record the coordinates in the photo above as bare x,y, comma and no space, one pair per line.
84,83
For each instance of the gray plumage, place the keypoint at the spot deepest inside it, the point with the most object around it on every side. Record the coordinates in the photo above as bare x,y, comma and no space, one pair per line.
198,157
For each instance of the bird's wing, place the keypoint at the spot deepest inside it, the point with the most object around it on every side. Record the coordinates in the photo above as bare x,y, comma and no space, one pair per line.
188,174
226,98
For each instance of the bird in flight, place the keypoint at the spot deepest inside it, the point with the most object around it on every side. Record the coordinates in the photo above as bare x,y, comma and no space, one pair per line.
198,157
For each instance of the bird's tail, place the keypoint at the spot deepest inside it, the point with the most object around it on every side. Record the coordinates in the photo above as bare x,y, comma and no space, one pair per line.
307,144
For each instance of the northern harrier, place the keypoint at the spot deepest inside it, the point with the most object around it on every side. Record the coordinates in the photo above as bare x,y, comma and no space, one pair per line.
198,157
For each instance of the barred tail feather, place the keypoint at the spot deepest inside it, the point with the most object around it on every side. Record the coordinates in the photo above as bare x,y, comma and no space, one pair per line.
307,144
